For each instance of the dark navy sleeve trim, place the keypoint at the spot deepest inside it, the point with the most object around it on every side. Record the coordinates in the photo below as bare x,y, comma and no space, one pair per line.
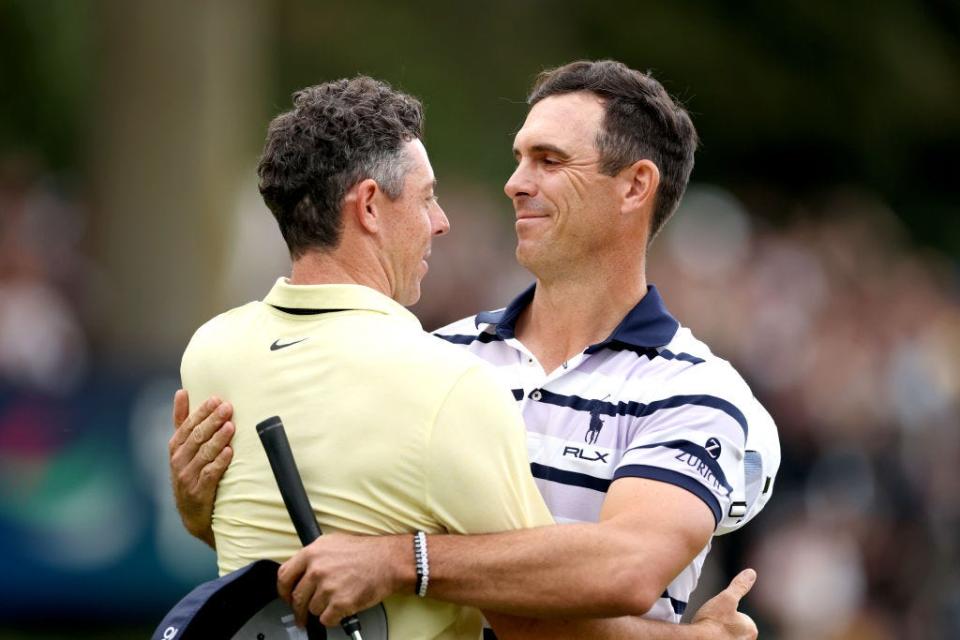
674,478
696,451
571,478
640,410
517,394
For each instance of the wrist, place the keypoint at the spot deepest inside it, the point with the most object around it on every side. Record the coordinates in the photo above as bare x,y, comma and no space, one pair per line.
403,563
421,558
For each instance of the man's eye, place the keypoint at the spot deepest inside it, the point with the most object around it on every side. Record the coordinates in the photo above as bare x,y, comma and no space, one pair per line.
550,161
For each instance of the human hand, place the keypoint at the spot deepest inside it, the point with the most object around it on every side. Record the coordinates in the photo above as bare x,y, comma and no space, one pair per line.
718,618
199,454
338,575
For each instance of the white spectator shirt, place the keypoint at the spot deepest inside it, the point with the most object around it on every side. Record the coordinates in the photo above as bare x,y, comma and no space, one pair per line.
650,401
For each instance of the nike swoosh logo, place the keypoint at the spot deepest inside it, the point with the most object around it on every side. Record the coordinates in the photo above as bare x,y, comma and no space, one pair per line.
277,345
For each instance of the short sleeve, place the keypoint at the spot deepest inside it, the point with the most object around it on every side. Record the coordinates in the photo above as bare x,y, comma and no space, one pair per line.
696,443
478,473
196,375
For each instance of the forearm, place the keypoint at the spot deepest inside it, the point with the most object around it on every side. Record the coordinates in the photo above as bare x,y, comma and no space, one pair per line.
588,570
622,628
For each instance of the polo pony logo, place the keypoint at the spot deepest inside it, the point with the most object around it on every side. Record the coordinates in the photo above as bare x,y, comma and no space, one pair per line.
596,424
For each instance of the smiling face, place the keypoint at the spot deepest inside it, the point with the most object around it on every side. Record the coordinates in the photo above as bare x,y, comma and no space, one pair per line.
566,208
410,223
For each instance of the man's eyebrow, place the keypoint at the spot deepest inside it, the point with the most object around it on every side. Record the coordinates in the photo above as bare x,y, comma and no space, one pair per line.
430,186
544,147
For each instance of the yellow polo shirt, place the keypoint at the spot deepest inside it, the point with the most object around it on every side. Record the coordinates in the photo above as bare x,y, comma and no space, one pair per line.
393,430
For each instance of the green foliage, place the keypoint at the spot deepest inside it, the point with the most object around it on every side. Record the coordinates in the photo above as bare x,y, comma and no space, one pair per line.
792,96
46,71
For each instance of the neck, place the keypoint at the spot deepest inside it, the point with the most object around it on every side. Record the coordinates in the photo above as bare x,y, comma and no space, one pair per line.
568,314
335,267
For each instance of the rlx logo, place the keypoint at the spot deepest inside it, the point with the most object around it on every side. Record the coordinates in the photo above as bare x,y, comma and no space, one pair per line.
577,452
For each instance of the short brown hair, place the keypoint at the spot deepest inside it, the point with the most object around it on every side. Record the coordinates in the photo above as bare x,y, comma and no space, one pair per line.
640,121
337,134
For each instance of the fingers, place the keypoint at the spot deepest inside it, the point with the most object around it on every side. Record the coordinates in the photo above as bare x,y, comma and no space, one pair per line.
296,586
331,615
209,462
181,408
741,584
307,591
289,575
198,427
211,473
303,598
211,449
184,427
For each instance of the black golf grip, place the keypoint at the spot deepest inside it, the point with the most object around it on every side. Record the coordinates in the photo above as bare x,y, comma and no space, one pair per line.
275,443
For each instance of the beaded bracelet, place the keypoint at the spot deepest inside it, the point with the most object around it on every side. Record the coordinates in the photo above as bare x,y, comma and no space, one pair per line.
423,563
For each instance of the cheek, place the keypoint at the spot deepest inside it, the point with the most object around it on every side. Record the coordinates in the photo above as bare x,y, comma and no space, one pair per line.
426,226
567,193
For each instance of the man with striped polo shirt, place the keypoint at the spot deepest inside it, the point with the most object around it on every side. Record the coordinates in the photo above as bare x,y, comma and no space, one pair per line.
639,438
641,441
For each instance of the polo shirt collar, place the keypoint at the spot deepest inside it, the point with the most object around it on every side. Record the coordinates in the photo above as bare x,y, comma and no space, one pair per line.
647,325
329,297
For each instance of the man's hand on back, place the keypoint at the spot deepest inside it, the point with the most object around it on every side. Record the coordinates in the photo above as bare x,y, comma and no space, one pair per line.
199,455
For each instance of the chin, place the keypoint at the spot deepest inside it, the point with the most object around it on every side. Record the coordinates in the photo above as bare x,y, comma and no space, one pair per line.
537,260
528,251
526,260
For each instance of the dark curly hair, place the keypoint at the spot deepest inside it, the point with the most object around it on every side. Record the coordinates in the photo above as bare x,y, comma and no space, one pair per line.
337,134
641,121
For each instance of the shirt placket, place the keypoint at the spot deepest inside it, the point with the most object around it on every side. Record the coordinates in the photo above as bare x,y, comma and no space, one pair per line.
530,373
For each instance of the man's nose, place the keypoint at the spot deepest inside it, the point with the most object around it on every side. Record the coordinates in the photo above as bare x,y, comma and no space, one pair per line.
441,225
521,183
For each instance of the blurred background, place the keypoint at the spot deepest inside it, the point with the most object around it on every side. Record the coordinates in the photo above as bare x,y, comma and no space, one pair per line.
816,249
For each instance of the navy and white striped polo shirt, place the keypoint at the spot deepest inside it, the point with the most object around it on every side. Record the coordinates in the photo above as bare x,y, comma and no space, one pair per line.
651,401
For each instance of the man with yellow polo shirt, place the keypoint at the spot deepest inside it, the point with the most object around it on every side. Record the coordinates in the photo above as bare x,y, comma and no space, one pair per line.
394,430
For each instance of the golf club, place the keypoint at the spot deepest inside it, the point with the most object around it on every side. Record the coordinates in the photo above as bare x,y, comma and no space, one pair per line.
275,443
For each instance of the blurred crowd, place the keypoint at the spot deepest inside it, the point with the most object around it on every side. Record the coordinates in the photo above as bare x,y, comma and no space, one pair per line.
848,332
851,337
44,279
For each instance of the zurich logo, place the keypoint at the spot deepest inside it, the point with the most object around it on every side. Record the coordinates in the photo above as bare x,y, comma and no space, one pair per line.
713,448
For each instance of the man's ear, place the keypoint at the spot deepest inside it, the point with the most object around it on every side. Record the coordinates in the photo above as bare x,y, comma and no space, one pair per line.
642,180
362,204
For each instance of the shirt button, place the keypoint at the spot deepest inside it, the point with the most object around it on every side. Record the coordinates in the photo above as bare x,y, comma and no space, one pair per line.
536,395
